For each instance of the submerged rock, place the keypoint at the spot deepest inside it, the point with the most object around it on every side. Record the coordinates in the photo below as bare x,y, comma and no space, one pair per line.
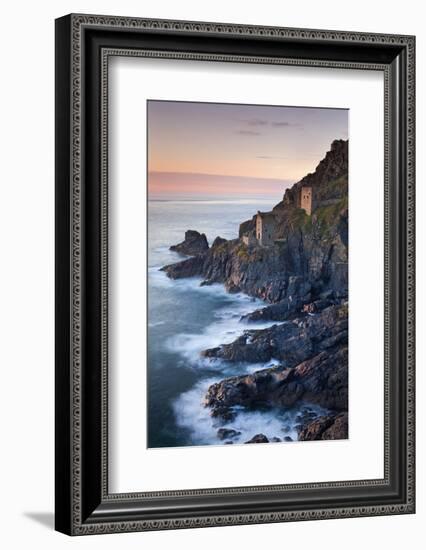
194,243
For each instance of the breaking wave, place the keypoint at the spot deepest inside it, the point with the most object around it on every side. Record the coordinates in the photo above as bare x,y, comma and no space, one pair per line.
277,425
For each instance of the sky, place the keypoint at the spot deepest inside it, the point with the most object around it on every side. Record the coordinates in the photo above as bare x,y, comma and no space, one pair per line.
221,150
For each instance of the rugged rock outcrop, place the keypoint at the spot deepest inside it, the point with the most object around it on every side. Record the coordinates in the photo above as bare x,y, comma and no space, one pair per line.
326,427
247,226
194,243
313,369
188,268
287,309
321,380
328,181
290,342
281,311
218,241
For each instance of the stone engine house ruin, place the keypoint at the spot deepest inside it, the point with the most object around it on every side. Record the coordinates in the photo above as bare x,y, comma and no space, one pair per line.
305,199
264,233
265,228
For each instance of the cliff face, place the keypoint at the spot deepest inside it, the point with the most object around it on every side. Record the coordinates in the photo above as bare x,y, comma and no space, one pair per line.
309,259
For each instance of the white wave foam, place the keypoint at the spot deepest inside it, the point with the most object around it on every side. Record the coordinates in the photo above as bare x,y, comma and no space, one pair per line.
226,328
156,324
254,367
193,416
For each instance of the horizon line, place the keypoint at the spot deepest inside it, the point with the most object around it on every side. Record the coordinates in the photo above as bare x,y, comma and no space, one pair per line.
218,175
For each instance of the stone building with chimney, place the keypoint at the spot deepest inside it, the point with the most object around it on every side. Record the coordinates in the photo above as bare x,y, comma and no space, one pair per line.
265,228
305,199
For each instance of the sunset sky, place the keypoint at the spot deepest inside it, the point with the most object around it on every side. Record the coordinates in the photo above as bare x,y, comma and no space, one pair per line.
216,150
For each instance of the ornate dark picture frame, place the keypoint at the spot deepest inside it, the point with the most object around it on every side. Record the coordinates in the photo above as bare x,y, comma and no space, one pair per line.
84,44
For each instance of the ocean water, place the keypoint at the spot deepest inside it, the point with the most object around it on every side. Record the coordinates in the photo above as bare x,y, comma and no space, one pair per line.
184,319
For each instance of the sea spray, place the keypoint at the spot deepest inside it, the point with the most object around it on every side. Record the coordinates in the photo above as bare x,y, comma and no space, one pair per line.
277,425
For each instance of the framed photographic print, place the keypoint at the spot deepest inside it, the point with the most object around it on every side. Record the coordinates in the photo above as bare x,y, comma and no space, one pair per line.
234,274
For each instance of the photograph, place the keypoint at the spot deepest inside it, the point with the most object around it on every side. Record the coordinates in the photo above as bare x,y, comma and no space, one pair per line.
248,250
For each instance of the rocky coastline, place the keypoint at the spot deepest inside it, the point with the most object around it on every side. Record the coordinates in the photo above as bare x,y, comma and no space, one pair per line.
303,279
193,244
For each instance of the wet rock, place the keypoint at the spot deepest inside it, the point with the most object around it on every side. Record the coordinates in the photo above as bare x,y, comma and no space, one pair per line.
288,438
232,288
290,342
316,306
325,427
258,438
241,350
227,433
223,414
315,429
320,379
192,267
212,352
275,440
305,417
194,243
281,311
339,428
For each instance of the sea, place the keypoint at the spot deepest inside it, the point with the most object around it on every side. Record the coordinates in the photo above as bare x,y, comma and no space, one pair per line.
185,318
